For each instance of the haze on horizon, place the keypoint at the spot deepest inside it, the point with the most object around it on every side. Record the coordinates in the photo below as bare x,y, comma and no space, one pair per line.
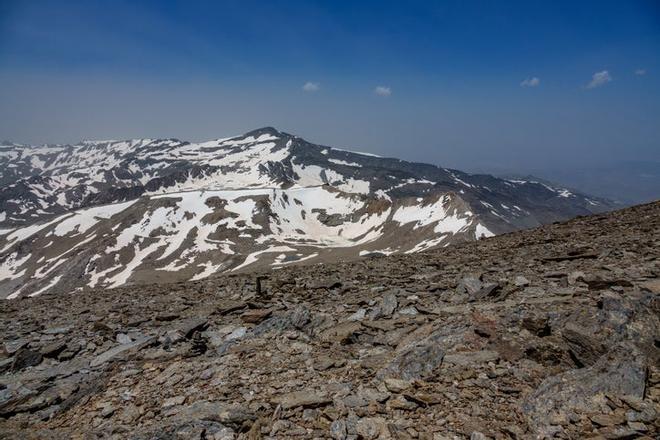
568,91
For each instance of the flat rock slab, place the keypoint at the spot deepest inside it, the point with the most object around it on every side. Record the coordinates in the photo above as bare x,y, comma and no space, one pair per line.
341,333
115,352
329,283
222,412
471,358
192,325
304,398
652,285
256,316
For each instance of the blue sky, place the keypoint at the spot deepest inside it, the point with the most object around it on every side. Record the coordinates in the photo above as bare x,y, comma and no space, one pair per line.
519,85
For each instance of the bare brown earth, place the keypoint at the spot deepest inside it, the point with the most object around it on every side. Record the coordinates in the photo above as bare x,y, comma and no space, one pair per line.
551,332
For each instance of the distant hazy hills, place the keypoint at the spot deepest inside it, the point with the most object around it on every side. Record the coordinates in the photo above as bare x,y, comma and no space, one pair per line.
626,182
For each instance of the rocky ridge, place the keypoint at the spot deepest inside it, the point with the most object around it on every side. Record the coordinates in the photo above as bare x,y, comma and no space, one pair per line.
547,333
111,213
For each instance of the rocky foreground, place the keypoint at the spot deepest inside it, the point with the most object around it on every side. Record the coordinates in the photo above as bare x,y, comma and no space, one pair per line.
551,332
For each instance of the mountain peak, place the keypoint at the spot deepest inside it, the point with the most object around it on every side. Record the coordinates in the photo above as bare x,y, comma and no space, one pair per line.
264,130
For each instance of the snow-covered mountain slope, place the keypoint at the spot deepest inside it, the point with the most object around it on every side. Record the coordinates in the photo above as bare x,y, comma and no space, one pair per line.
106,213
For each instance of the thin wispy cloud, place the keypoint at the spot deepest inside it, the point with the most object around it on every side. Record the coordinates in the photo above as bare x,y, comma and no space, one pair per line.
530,82
599,79
311,87
640,72
383,91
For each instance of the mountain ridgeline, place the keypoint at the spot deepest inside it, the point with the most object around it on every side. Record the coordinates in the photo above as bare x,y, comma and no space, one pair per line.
109,213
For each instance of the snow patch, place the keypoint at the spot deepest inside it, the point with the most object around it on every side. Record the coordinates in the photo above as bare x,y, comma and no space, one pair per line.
343,162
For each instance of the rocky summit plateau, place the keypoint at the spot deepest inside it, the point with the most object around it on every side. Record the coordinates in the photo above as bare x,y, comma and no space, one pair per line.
114,213
551,332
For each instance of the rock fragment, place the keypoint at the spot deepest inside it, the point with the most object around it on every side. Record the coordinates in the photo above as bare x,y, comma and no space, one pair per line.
255,316
585,348
621,372
303,398
192,325
417,362
119,350
24,358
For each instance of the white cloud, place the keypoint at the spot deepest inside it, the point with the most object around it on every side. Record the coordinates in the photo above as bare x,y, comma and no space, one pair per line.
311,87
383,91
640,72
530,82
598,79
